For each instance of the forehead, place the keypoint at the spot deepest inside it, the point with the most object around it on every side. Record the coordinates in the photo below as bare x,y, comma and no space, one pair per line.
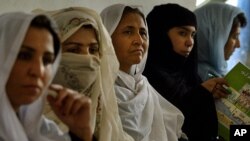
130,18
38,38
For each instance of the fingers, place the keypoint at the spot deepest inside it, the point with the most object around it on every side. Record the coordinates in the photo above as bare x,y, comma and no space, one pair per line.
82,104
220,91
67,101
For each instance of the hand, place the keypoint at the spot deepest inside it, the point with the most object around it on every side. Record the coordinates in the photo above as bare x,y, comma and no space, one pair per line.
73,109
215,86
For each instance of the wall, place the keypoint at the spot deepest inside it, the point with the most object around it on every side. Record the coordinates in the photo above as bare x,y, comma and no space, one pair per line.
98,5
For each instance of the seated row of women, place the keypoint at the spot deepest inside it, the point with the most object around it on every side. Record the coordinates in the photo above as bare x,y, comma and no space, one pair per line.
87,70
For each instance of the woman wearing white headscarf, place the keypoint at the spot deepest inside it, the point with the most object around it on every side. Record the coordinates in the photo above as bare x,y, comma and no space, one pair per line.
145,115
93,73
217,37
29,57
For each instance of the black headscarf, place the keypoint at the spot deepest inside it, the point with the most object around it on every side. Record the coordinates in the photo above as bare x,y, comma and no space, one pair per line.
174,76
161,55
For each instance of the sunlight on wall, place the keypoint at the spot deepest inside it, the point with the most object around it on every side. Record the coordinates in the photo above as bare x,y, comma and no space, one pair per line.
232,2
198,2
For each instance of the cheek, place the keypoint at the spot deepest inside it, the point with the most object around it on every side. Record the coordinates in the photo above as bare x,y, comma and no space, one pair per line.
230,45
48,75
120,51
145,45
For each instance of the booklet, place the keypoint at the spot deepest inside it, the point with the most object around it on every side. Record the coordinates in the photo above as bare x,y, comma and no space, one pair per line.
235,109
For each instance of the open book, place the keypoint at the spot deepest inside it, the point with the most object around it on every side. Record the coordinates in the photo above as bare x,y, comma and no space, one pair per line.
236,108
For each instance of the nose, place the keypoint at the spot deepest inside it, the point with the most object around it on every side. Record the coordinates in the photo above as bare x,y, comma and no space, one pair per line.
37,68
138,39
190,41
84,51
237,45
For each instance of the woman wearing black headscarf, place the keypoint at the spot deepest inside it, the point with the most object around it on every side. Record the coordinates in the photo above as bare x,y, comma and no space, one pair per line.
172,70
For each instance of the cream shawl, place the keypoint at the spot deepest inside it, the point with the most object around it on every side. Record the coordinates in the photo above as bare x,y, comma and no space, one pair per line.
105,121
31,125
145,115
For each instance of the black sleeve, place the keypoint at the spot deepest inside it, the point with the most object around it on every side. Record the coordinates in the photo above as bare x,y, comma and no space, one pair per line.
182,139
75,138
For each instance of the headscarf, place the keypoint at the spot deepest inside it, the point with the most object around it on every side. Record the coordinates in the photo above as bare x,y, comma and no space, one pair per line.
214,21
145,115
174,76
161,47
30,125
105,120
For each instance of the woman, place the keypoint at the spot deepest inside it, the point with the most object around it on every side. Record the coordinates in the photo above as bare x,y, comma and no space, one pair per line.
89,65
217,37
30,54
145,115
172,70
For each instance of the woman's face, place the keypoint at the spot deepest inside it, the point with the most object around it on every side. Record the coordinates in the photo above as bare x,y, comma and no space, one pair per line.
232,42
83,41
130,40
33,68
182,39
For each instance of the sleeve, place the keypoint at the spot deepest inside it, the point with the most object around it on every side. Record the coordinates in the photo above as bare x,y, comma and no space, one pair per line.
75,138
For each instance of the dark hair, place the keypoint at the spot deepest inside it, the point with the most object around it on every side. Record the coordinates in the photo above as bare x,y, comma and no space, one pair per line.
240,19
129,9
43,21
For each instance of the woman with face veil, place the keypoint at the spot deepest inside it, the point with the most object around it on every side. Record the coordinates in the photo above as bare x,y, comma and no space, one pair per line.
90,68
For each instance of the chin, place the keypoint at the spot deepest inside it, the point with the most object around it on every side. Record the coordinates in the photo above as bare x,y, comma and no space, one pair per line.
138,61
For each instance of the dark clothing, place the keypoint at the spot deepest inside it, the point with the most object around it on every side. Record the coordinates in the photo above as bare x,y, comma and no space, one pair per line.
195,102
175,77
75,138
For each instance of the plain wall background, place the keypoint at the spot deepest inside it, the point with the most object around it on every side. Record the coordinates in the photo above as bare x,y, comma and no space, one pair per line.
98,5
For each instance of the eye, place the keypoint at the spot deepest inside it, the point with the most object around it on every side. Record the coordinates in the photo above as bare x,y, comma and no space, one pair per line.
48,59
144,34
76,50
24,55
236,36
94,49
182,33
128,32
193,34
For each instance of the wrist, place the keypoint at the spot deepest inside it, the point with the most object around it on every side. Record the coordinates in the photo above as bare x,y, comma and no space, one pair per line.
84,134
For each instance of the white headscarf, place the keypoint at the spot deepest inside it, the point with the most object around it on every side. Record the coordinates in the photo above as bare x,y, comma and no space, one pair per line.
145,115
31,125
105,120
214,21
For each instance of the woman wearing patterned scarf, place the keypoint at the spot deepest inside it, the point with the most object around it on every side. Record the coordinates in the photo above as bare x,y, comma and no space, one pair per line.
89,65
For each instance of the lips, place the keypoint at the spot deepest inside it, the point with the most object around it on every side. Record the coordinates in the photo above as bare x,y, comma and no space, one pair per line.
33,88
138,50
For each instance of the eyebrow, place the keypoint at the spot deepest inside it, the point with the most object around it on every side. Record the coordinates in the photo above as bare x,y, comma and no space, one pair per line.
30,49
79,44
26,47
72,43
132,27
187,29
